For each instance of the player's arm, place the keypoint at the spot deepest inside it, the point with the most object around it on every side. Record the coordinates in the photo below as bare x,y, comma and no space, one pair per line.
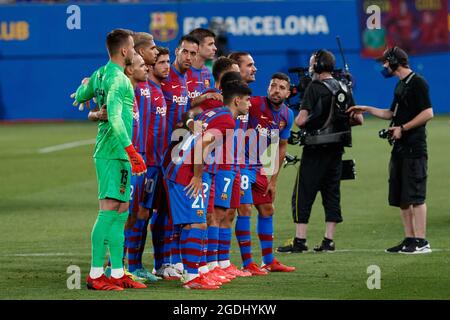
188,117
385,114
202,98
97,114
115,101
85,92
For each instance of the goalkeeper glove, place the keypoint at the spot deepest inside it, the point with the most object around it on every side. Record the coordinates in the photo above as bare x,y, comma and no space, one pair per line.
137,162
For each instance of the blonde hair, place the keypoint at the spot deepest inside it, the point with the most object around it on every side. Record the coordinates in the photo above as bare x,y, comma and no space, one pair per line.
141,39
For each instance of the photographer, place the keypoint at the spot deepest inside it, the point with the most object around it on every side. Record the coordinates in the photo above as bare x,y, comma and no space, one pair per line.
321,163
409,112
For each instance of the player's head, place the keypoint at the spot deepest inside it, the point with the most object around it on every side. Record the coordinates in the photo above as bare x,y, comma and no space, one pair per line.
230,76
279,88
246,65
161,68
145,46
207,44
186,52
120,45
236,95
137,71
323,61
222,65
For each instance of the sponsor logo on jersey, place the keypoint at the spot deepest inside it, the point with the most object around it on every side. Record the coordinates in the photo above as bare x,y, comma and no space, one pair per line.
161,111
181,101
164,25
194,94
266,132
145,92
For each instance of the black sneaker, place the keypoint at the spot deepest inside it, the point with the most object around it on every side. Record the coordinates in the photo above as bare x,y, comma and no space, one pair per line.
396,249
293,246
419,246
326,246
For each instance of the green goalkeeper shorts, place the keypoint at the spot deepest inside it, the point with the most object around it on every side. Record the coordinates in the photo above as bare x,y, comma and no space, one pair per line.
113,178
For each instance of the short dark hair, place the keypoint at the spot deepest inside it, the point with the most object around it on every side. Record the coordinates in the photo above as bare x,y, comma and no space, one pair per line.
162,51
281,76
235,88
221,65
201,34
230,76
116,39
188,38
324,61
237,55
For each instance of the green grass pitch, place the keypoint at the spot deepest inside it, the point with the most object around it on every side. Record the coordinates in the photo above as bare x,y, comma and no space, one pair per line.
48,206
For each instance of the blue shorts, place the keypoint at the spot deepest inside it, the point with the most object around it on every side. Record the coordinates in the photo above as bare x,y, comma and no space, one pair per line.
185,210
248,178
137,186
151,180
223,185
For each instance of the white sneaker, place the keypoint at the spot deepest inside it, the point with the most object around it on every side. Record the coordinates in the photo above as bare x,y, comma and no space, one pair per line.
167,272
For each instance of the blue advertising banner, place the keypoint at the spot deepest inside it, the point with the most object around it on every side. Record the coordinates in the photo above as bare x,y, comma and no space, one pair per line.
45,50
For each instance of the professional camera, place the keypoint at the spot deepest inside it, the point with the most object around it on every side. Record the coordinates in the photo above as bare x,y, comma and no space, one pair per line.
298,88
386,134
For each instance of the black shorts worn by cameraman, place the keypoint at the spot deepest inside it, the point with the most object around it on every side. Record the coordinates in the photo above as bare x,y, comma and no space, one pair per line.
321,165
408,164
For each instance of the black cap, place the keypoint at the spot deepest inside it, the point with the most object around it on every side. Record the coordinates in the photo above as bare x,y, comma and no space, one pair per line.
399,53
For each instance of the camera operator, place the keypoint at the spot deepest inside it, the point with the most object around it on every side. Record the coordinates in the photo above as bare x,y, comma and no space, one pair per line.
321,164
409,112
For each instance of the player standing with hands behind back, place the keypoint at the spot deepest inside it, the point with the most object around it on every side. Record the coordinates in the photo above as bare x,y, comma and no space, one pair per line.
113,155
410,111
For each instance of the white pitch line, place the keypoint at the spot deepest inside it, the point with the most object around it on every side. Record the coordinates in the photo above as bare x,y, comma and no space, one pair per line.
65,146
61,254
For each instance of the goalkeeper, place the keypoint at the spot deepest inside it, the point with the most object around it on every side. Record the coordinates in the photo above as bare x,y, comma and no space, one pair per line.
113,155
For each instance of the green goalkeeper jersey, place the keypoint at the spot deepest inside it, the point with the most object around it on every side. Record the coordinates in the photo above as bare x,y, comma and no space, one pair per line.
111,87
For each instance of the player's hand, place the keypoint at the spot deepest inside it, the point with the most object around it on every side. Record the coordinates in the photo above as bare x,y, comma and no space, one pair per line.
214,96
137,162
396,132
81,105
271,188
357,109
102,114
194,187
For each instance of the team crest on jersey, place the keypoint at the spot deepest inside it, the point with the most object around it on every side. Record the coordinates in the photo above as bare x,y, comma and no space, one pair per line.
282,125
122,189
207,83
164,25
200,213
224,196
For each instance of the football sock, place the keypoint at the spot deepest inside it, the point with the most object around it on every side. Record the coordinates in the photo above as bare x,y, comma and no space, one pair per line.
175,253
213,244
265,235
116,240
224,247
142,242
192,249
99,236
157,227
133,239
244,239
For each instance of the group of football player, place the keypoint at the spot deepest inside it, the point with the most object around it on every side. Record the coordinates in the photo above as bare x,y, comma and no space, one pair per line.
202,136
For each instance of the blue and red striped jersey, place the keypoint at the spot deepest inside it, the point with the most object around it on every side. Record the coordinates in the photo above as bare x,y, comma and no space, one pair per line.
142,100
198,80
267,123
176,94
136,128
179,159
158,140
